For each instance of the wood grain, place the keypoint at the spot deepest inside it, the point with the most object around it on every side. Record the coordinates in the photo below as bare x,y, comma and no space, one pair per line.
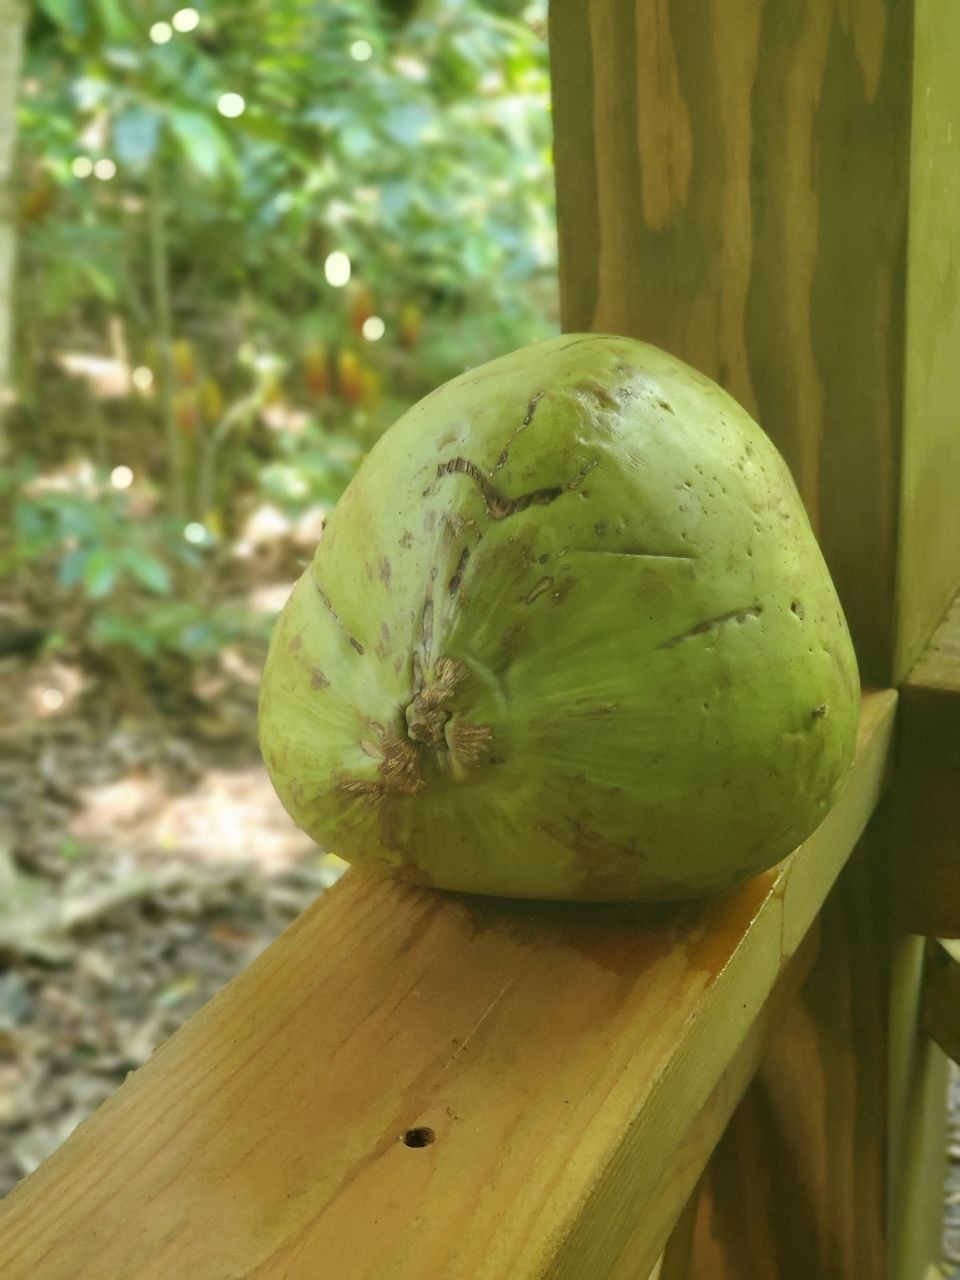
929,533
739,184
927,792
561,1056
797,1187
917,1143
941,998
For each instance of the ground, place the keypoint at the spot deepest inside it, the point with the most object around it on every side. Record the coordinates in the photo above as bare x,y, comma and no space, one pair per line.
142,864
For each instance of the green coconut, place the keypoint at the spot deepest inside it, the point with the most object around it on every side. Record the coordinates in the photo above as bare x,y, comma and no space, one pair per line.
568,634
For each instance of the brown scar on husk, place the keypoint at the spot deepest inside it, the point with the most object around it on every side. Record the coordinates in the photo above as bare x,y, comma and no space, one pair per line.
637,553
318,680
498,505
455,524
591,387
383,571
563,589
426,629
710,624
454,584
525,422
336,617
326,601
543,585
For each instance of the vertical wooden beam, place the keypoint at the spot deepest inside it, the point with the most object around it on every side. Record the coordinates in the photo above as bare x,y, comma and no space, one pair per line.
796,1187
739,183
766,191
928,786
732,183
929,549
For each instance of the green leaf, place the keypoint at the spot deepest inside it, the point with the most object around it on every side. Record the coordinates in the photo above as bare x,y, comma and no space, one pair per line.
203,143
88,92
116,22
100,573
70,572
396,197
99,280
113,628
405,124
136,133
356,140
66,13
148,571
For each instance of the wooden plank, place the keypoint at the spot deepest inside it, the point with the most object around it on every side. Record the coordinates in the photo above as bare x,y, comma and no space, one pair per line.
732,185
917,1120
938,667
833,1165
796,1188
941,998
655,1216
929,533
558,1055
757,189
927,794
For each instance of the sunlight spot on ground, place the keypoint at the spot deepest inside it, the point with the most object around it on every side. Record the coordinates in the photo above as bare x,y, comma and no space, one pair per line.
263,529
284,417
77,476
121,477
373,328
230,815
108,378
82,167
235,664
269,599
161,33
105,169
361,51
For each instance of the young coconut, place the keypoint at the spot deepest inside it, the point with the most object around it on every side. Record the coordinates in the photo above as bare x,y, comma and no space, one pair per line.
568,634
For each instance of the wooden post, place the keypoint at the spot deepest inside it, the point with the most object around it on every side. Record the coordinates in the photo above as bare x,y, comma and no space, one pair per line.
741,184
772,193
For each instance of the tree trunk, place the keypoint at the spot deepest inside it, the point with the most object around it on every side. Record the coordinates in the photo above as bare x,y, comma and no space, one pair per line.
12,22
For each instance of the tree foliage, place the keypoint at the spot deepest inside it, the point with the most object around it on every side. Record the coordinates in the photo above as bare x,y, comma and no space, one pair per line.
185,177
426,162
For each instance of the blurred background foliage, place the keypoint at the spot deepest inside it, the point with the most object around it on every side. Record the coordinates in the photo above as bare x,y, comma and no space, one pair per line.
249,235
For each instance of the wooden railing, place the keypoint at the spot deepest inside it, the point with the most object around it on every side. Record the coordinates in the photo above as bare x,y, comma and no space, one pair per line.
411,1084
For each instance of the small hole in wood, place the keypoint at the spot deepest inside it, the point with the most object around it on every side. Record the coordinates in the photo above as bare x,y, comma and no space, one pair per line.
419,1137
